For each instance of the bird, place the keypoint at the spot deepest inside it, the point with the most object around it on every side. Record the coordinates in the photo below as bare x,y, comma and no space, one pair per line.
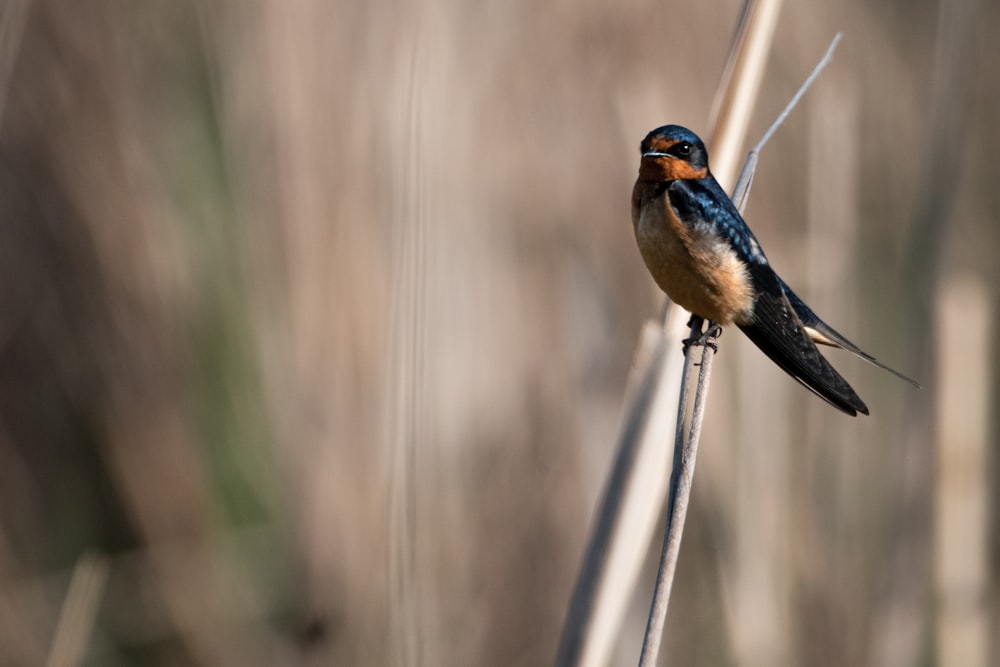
700,251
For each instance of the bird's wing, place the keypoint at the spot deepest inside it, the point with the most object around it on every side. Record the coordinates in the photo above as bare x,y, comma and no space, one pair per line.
777,330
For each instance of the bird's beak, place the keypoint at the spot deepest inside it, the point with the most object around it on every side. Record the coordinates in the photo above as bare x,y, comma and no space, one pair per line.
655,154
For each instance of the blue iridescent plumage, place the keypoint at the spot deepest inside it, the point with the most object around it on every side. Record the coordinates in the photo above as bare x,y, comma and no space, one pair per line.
704,202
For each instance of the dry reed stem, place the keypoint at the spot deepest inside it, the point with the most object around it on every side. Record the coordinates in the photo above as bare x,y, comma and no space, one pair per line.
900,622
961,495
408,340
79,611
627,513
681,478
740,86
12,19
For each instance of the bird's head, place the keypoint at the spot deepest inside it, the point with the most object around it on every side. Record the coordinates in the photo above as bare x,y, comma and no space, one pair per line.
672,153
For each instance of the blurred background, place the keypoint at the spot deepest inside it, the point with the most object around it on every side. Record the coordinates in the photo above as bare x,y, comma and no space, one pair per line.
316,319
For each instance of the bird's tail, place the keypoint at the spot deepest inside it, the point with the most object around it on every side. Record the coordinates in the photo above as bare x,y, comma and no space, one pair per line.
824,334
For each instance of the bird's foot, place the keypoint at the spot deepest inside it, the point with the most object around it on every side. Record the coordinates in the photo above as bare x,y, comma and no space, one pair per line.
701,338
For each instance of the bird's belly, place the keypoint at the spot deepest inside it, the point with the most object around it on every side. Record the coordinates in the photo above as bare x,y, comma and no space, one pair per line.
698,270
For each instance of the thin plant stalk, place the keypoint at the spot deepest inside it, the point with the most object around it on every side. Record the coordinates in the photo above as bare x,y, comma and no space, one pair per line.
626,518
681,477
79,611
742,189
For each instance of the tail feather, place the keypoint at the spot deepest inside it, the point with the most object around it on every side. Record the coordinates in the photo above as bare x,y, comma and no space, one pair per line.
824,334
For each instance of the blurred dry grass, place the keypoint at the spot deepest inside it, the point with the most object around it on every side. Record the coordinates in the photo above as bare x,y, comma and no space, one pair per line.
316,317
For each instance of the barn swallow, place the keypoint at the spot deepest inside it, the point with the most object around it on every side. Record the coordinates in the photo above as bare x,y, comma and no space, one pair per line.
702,254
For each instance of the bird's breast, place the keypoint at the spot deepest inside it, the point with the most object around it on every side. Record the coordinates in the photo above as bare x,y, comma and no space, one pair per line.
697,268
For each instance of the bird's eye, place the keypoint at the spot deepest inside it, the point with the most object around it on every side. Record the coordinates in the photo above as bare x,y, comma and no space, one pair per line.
683,149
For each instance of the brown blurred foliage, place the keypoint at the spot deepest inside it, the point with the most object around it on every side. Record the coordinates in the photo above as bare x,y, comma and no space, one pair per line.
315,319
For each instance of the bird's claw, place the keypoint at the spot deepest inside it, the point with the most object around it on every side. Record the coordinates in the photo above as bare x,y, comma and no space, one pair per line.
707,338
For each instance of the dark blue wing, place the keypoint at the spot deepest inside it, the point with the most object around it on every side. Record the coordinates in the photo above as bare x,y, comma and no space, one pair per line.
777,330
